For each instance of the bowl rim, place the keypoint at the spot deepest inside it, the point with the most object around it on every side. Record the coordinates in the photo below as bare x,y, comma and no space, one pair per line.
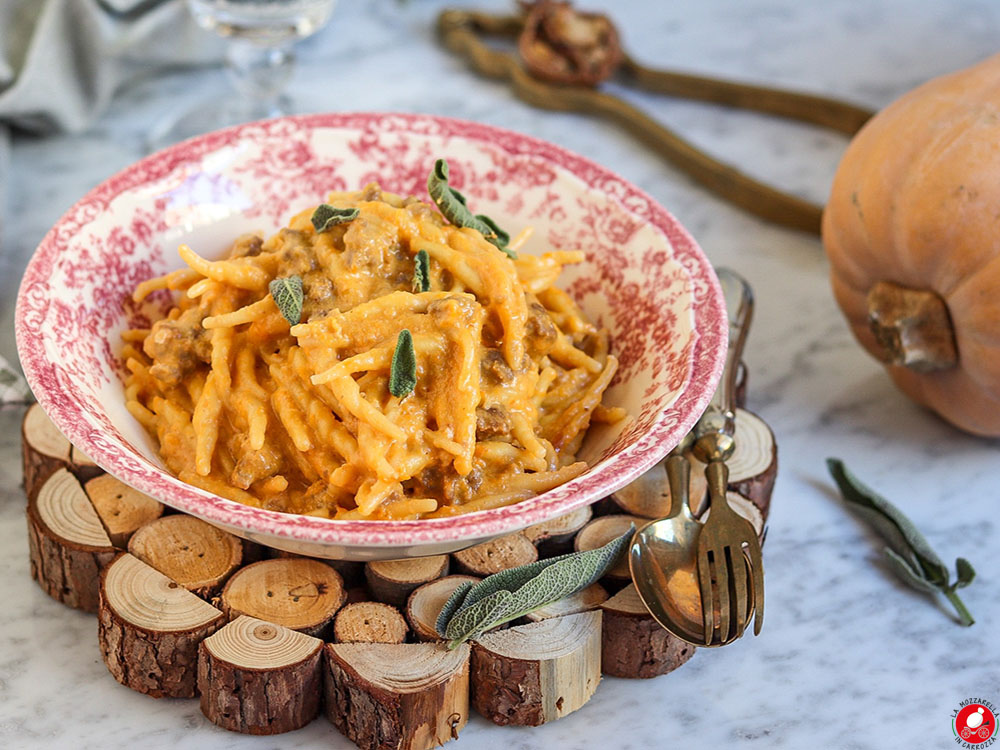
710,329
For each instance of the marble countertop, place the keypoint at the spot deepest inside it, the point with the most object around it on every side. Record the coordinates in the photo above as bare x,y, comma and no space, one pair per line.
848,658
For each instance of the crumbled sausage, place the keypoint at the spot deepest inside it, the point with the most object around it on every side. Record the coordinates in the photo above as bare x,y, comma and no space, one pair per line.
491,422
493,368
177,346
247,246
541,333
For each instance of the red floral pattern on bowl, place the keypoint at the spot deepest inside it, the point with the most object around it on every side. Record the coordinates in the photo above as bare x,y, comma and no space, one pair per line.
644,278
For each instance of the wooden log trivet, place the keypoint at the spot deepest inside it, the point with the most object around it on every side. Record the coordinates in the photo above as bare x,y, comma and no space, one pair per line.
495,555
555,536
369,622
539,672
149,629
582,601
122,510
67,544
407,696
298,592
649,495
391,581
195,554
352,571
633,644
602,530
44,449
82,465
426,603
256,677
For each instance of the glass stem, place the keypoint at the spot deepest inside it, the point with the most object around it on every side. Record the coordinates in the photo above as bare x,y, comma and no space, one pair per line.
260,73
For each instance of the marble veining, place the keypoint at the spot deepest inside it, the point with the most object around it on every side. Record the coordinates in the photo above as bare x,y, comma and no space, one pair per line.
848,658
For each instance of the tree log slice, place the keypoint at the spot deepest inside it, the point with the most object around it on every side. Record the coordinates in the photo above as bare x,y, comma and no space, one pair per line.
297,592
753,466
150,628
391,581
602,530
67,544
256,677
82,465
535,673
426,603
369,622
555,536
633,644
122,510
43,449
407,696
195,554
352,571
586,600
649,495
495,555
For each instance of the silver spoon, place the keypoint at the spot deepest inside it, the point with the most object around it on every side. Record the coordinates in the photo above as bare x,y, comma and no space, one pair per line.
663,554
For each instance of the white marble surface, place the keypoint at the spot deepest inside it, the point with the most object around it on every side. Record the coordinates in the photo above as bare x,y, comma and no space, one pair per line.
848,657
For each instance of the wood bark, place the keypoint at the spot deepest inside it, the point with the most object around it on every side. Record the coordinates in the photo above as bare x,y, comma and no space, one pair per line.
555,536
532,674
256,677
633,644
195,554
409,696
150,628
369,622
426,603
67,545
602,530
43,449
122,510
495,555
299,593
391,581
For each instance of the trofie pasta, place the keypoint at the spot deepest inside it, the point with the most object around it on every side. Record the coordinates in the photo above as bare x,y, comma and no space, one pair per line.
370,361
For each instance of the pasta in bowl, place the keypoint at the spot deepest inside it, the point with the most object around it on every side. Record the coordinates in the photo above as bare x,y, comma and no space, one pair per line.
371,361
603,257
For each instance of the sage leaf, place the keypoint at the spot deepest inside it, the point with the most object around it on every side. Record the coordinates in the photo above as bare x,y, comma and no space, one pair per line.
452,205
966,573
403,372
326,216
904,569
451,606
287,295
908,551
513,593
422,272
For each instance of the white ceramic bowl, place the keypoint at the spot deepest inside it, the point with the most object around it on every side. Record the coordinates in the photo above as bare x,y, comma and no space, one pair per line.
644,278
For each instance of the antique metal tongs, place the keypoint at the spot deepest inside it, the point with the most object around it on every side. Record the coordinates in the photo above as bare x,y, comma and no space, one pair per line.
704,583
464,31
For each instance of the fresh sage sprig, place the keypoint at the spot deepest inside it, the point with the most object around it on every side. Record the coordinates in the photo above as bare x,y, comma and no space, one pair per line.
421,272
287,294
908,552
326,216
453,206
475,608
403,371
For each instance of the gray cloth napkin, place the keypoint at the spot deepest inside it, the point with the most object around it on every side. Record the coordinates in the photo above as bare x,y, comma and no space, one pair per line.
62,60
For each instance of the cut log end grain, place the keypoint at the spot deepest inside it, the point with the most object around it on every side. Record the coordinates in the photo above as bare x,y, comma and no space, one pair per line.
582,601
299,593
753,466
122,510
602,530
391,581
409,696
256,677
649,495
532,674
555,536
495,555
150,628
193,553
352,571
44,449
369,622
633,644
426,603
67,545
